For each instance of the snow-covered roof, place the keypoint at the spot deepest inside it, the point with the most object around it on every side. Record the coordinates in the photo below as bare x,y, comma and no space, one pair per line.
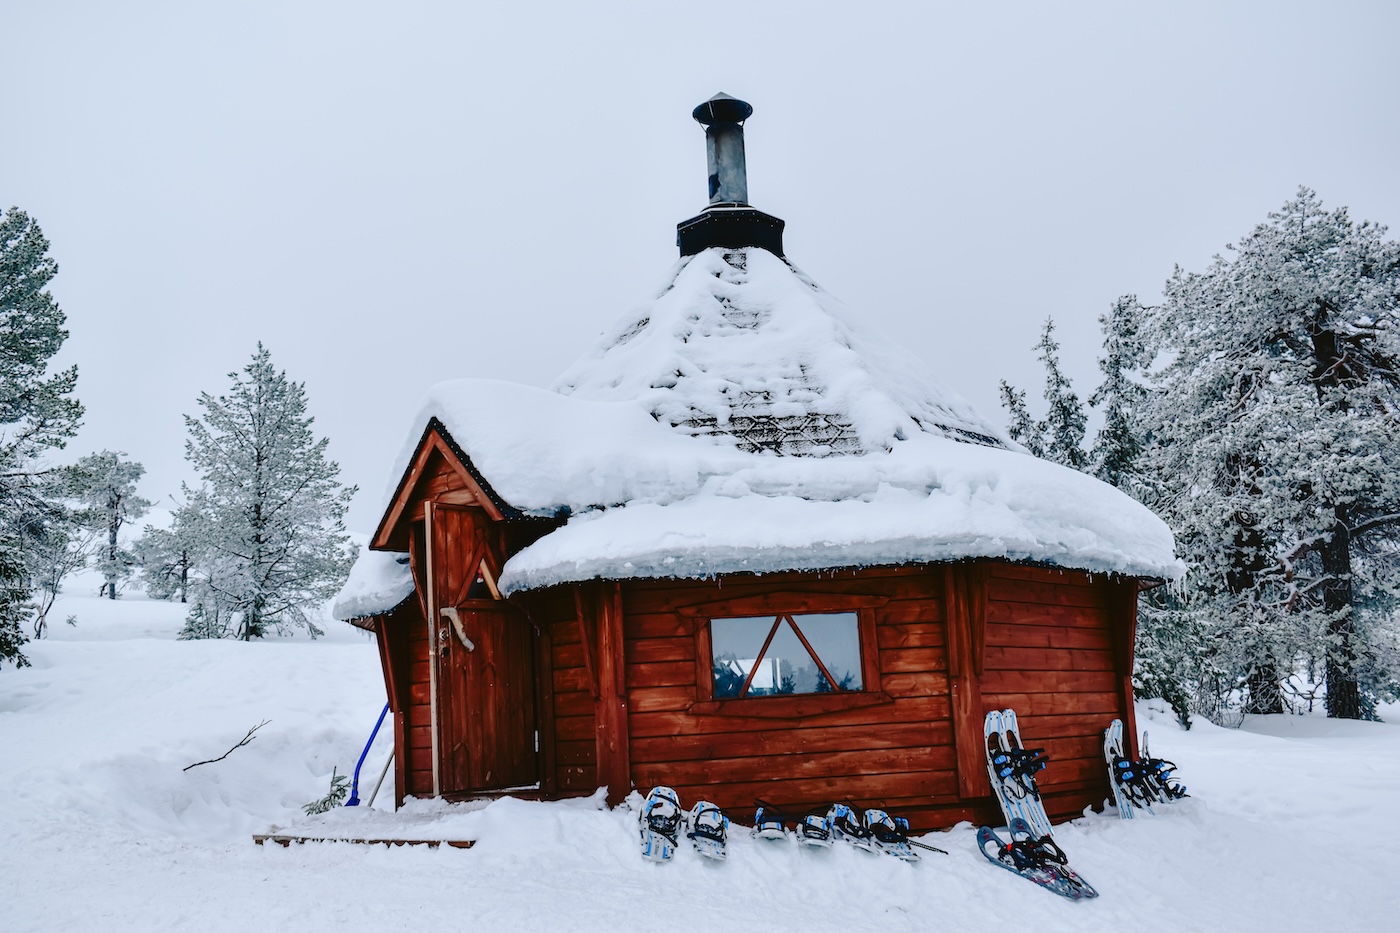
378,582
744,421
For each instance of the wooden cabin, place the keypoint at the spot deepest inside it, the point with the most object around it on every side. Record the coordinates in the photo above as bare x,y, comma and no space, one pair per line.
746,549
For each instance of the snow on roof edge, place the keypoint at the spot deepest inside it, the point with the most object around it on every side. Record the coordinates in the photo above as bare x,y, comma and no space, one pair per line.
379,581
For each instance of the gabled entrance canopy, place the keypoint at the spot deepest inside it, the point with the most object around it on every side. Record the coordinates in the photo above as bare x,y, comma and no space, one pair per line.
441,472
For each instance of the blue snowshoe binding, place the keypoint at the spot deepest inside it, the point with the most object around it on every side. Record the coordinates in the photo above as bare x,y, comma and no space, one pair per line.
1036,859
814,829
709,829
769,822
846,826
660,823
890,835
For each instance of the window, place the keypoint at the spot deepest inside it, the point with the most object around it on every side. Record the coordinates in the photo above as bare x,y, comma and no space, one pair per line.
785,654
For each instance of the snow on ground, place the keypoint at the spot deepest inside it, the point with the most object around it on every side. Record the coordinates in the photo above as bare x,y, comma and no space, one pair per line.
103,830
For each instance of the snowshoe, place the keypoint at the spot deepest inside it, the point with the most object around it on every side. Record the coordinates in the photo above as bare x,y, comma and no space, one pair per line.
769,822
814,829
1036,859
1012,770
660,822
1130,794
709,829
890,834
1159,775
846,826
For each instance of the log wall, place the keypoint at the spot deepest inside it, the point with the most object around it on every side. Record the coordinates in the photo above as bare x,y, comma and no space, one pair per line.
1047,651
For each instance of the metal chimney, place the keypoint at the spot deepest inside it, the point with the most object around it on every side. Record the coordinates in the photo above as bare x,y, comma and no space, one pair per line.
729,221
723,118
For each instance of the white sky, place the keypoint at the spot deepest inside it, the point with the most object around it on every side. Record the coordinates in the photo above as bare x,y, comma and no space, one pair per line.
390,195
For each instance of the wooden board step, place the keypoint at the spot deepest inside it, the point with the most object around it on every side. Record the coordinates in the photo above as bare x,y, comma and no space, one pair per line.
284,841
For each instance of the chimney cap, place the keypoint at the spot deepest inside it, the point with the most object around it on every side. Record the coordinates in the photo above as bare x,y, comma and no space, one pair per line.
722,109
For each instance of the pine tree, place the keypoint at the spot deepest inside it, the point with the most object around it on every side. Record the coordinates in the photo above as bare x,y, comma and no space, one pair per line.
1118,446
1275,430
104,485
266,523
1021,426
1060,436
37,411
1063,427
163,554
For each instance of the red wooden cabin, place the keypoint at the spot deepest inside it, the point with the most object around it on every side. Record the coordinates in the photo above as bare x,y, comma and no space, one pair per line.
745,549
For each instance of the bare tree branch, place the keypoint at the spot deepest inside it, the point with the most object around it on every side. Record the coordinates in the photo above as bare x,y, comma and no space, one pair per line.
241,742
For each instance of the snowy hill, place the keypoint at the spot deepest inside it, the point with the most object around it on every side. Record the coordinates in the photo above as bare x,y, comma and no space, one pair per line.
105,831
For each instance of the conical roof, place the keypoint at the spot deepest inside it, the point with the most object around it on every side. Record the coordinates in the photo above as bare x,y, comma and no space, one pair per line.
744,421
743,347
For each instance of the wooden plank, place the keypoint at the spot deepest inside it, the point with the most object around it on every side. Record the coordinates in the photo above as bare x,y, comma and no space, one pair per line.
802,792
965,599
910,635
1049,594
793,767
654,699
791,706
906,685
576,753
1040,704
1051,575
646,650
1047,636
643,723
1124,602
582,779
420,737
572,728
1049,682
587,640
1048,659
774,602
285,841
614,767
571,679
661,674
1011,612
787,741
573,703
544,702
567,656
400,761
657,625
928,610
912,660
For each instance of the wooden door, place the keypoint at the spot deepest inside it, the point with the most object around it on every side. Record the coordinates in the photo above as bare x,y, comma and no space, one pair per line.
485,665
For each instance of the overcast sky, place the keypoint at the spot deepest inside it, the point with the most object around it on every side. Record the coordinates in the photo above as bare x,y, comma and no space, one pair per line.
394,194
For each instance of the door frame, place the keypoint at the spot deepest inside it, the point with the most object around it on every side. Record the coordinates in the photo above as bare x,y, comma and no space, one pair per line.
439,634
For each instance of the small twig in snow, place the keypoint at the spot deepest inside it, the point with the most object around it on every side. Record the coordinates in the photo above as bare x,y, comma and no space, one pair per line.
241,742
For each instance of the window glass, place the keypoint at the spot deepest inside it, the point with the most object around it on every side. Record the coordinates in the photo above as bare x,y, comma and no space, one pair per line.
768,652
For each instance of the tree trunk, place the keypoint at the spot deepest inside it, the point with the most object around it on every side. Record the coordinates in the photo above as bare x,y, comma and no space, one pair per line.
1343,692
1263,682
111,584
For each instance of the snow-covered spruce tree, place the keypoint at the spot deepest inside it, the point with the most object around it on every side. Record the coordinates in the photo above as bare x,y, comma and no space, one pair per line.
1276,430
266,524
1063,427
1117,449
104,487
1020,425
163,554
1060,436
37,410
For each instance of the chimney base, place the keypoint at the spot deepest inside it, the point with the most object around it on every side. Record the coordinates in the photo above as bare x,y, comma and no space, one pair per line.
731,226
